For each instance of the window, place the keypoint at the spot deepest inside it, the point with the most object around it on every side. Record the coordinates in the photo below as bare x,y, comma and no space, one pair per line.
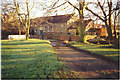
41,32
35,30
44,29
52,28
48,29
61,30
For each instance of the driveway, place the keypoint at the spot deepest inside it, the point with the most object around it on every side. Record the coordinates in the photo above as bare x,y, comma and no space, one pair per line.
84,65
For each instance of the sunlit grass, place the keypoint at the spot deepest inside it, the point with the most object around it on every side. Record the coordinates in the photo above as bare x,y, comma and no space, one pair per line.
29,59
13,60
105,50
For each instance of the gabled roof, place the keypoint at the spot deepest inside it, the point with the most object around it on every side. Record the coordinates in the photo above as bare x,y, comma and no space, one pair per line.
51,19
99,26
76,23
84,21
60,18
92,30
71,27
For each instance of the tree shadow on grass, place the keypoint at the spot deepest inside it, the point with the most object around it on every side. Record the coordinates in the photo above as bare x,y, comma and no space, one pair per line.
15,48
16,40
106,47
27,43
79,61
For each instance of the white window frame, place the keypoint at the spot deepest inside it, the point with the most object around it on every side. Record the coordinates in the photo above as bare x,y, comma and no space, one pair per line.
48,29
35,25
61,30
44,29
52,28
35,30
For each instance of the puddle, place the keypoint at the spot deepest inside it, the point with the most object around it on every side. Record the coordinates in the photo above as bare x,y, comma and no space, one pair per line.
57,44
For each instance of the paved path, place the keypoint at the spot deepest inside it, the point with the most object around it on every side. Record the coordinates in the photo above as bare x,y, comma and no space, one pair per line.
84,65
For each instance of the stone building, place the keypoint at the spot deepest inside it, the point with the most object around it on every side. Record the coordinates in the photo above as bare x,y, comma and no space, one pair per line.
89,27
51,26
101,30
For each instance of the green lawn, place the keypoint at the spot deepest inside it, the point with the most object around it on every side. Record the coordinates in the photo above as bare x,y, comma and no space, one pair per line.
105,50
29,59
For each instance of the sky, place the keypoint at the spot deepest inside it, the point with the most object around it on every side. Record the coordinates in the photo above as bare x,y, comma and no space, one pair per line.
37,10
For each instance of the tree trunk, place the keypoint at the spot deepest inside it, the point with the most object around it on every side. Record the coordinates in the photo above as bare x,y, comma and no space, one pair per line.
110,22
28,26
109,31
17,9
81,31
115,35
80,26
27,34
81,23
19,32
20,26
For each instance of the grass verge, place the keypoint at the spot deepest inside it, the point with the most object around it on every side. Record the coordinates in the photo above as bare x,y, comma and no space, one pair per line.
29,59
104,50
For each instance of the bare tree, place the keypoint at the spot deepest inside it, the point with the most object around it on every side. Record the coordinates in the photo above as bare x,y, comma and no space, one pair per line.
18,13
116,13
79,7
8,7
54,7
81,26
8,19
24,21
107,15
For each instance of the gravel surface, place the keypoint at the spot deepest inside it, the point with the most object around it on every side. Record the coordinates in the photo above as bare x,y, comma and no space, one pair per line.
84,65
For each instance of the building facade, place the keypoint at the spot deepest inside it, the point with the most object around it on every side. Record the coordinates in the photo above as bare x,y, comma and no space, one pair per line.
89,24
50,27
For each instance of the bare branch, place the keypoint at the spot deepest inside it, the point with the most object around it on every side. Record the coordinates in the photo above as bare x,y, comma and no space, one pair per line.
103,3
102,8
32,6
95,14
73,5
55,3
58,6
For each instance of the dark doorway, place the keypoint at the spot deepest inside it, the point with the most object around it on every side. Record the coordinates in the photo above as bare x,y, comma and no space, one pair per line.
33,32
41,32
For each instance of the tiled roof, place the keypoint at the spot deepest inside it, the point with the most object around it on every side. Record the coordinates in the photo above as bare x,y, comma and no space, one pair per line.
99,26
71,27
76,23
59,18
92,30
85,22
51,19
